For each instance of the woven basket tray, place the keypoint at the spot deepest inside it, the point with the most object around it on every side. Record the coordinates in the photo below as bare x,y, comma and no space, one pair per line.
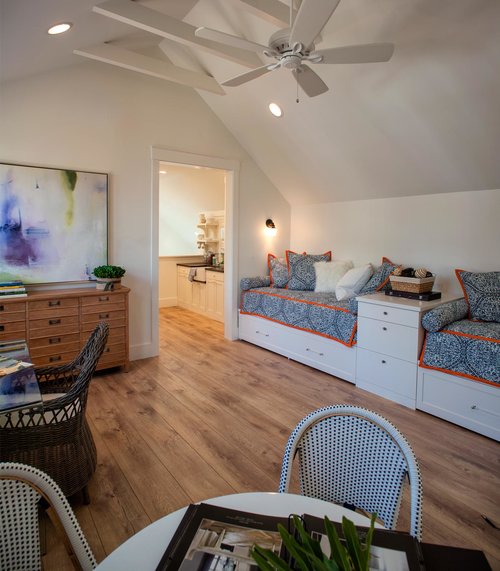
412,285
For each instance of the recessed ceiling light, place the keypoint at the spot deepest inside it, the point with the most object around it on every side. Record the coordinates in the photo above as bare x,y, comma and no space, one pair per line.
275,109
59,28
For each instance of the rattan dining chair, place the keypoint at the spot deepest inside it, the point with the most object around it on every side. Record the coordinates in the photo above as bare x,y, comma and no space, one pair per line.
21,488
55,436
353,456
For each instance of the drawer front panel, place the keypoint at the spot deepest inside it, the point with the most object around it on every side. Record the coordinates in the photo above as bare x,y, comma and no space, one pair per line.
468,403
113,318
215,277
14,316
54,340
103,307
14,330
55,303
56,359
388,338
389,314
13,307
55,312
387,372
48,350
53,326
103,298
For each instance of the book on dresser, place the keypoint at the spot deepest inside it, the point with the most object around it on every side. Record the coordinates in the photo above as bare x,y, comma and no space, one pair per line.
12,289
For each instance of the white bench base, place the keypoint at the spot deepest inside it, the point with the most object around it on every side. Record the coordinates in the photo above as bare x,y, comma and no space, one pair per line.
465,402
314,350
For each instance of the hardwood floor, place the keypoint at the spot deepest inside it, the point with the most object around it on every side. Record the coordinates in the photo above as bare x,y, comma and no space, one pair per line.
210,417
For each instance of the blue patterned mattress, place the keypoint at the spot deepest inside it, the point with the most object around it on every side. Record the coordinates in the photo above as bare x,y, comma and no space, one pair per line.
318,313
466,348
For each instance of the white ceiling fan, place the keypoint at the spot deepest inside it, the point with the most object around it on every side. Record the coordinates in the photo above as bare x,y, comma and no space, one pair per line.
293,48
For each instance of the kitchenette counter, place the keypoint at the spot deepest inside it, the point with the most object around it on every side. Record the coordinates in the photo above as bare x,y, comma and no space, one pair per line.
219,269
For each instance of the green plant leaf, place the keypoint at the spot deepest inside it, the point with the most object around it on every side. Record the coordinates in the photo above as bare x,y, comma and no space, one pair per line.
308,542
294,548
337,551
353,543
268,560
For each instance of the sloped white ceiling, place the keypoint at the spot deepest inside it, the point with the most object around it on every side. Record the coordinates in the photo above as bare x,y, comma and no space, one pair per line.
426,122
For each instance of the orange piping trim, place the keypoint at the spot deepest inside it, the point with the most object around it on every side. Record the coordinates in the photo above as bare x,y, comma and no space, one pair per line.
468,335
463,375
301,300
459,278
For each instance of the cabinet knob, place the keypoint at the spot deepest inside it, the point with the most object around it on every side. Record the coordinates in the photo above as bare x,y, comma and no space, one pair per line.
384,328
385,313
473,407
384,361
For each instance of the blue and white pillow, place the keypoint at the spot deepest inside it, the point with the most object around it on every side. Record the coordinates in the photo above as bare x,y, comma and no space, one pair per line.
301,269
482,292
278,271
380,279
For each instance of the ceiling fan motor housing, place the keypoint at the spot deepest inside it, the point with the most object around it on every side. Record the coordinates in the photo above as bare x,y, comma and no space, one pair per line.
278,42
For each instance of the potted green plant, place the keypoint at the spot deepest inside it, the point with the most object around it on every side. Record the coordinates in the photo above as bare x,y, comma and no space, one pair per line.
307,553
108,277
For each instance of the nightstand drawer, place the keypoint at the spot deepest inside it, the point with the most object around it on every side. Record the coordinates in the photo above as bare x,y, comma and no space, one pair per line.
391,339
389,314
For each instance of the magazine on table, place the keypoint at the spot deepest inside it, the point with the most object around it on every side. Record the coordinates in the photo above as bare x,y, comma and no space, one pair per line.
212,538
18,383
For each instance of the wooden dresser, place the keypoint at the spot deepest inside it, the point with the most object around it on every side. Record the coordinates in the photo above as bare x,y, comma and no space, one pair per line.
56,323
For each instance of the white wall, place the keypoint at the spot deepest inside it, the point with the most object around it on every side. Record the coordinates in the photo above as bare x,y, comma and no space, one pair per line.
440,232
184,193
95,117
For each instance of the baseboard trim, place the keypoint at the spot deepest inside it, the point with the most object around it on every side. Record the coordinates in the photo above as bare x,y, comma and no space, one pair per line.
143,351
167,301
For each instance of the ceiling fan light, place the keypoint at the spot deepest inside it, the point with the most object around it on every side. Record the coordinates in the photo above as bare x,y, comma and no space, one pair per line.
59,28
275,110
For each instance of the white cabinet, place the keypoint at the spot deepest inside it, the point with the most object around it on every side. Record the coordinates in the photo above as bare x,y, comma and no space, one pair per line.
390,337
215,295
205,298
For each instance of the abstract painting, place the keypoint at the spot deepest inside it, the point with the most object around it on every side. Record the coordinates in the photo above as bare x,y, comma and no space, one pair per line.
53,224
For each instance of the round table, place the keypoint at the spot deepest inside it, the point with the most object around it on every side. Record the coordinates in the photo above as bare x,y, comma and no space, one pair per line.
145,549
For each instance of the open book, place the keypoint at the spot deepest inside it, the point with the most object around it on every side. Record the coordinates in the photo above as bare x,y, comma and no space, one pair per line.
221,539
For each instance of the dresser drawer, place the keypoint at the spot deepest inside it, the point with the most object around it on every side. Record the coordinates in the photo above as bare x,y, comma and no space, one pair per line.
12,316
53,326
12,307
389,314
56,359
53,308
388,373
390,339
54,340
48,350
105,299
13,330
112,318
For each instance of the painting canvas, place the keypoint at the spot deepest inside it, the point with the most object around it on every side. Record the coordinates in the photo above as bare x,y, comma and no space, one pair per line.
53,224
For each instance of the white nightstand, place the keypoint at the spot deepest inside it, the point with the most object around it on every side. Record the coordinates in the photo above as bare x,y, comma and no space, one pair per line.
390,337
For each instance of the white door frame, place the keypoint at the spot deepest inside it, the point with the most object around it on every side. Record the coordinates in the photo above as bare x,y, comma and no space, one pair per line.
232,168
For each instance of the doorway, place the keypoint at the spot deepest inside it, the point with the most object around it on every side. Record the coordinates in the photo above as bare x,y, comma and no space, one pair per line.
160,155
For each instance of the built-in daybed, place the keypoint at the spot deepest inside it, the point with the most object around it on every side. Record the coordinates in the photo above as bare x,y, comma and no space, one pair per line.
282,312
459,368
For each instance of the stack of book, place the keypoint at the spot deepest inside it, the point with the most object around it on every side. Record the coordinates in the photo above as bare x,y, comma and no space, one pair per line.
12,289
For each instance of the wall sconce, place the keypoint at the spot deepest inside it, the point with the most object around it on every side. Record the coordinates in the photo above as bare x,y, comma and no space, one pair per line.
271,229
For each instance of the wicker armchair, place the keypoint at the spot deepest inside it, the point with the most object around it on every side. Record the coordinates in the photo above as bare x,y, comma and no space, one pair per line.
55,436
352,456
21,488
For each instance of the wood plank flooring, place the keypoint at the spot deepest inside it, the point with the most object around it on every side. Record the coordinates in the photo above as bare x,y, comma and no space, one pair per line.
210,417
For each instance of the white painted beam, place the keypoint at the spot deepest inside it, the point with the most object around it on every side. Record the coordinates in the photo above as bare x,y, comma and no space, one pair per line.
126,59
144,18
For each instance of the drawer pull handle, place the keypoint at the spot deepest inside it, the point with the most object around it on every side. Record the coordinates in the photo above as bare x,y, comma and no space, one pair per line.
385,312
54,321
2,328
384,328
54,340
104,298
106,350
2,308
384,361
260,333
103,315
54,359
315,352
54,303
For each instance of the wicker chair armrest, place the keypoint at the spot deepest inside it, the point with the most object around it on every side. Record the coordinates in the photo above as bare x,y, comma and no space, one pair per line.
56,379
444,314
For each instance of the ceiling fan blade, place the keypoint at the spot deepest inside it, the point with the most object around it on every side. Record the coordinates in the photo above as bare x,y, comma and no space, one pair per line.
309,81
364,53
229,40
311,19
248,76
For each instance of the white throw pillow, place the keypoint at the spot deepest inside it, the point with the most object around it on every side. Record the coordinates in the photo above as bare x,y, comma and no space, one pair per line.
329,273
353,281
